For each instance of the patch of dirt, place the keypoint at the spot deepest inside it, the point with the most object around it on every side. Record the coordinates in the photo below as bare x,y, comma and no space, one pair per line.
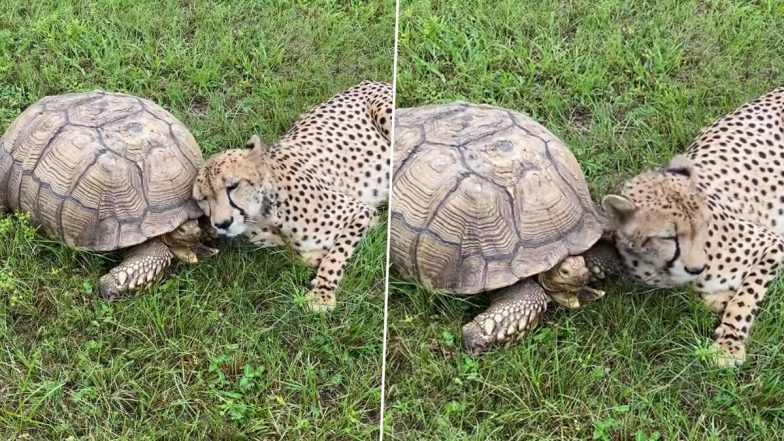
199,105
581,119
770,73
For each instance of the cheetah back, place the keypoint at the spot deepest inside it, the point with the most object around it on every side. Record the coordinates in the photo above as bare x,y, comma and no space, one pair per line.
739,161
346,139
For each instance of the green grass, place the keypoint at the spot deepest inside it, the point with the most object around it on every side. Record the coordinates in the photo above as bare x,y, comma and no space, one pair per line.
225,349
626,85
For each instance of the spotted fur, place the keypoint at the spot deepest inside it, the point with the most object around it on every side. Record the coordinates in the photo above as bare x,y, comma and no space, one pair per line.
714,218
316,189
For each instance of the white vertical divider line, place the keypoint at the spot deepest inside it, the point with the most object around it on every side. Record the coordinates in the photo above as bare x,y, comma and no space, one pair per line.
389,211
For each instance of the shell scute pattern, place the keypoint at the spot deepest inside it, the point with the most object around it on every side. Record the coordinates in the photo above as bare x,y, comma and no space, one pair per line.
100,171
483,198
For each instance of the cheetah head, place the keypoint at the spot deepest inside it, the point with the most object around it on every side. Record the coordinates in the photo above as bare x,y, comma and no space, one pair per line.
661,220
232,188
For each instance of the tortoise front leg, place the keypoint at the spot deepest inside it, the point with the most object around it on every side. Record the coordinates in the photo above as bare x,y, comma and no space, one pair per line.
143,265
602,260
514,311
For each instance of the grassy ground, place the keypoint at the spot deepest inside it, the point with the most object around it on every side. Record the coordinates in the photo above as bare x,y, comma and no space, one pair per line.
222,350
626,84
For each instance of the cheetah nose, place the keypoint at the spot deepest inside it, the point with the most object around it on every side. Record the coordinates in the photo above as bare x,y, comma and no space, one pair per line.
695,271
225,225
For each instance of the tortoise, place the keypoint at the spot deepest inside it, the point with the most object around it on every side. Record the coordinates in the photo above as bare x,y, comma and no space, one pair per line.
487,200
105,171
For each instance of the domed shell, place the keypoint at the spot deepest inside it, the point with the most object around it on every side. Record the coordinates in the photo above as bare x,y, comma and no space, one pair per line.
483,197
101,171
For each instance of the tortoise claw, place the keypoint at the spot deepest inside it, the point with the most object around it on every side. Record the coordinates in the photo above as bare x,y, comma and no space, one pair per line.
514,312
202,251
475,341
109,288
590,294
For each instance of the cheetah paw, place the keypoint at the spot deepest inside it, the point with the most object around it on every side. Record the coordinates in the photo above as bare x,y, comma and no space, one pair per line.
321,300
728,353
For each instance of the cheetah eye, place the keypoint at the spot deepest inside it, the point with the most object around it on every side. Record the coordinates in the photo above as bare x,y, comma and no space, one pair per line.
648,240
233,186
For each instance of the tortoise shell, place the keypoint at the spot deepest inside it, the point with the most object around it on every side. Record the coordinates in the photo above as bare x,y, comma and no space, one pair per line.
100,171
483,197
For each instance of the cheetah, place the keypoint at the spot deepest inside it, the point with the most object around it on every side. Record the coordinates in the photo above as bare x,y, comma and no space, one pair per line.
316,190
713,217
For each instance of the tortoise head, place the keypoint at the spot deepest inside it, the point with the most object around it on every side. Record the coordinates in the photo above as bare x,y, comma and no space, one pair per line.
570,275
186,242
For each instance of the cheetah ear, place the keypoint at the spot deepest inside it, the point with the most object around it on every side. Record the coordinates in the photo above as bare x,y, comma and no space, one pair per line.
680,165
618,208
256,145
196,193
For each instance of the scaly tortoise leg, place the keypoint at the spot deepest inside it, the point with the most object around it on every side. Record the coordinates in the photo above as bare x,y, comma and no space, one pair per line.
142,266
514,311
602,260
3,202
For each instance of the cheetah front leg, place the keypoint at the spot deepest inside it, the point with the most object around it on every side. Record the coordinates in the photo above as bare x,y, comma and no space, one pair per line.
717,301
740,312
313,258
267,237
322,295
